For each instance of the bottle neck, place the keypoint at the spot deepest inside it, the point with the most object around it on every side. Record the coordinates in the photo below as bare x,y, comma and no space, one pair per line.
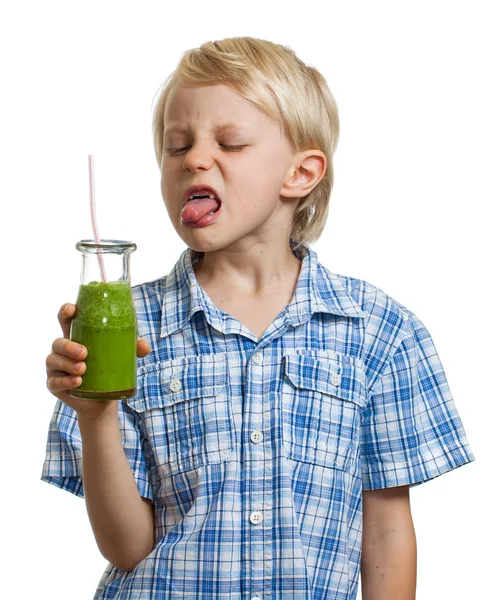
106,266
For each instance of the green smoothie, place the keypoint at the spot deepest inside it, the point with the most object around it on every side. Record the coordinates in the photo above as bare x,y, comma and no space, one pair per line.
105,322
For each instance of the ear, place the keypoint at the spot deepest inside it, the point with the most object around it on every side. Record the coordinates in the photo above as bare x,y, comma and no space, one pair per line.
306,171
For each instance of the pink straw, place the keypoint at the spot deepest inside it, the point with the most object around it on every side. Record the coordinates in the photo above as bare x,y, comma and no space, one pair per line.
93,216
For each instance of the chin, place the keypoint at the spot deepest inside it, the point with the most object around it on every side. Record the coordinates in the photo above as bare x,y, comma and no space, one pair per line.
198,245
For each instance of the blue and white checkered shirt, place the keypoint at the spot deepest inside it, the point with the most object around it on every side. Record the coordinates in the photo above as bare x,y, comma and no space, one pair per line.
255,452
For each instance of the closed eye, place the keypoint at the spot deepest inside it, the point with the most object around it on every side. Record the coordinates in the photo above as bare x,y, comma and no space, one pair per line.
226,146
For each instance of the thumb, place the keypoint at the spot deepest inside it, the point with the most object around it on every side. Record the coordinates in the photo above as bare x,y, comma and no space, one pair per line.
64,317
143,348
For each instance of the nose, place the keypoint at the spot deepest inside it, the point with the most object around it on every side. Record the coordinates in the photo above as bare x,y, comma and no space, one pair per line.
198,157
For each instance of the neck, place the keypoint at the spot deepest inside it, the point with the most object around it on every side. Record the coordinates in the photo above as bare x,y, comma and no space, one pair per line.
255,271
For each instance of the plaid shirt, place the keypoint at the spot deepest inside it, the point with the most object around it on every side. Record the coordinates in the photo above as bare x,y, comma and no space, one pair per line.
255,452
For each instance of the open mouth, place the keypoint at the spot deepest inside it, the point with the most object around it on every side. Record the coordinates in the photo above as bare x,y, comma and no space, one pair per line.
198,206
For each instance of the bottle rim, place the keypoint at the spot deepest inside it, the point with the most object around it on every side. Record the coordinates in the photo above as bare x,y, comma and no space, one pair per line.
104,246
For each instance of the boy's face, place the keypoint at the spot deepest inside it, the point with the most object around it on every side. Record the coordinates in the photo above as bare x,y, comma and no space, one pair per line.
247,179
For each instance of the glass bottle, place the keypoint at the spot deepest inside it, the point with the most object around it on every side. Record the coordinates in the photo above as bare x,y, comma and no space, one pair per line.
105,321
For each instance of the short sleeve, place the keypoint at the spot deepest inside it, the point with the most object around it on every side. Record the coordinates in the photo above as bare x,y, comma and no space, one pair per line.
63,460
411,431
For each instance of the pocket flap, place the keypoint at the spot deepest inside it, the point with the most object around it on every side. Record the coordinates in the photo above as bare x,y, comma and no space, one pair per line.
167,382
337,375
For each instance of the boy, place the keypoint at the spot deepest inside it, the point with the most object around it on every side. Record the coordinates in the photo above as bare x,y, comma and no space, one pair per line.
277,401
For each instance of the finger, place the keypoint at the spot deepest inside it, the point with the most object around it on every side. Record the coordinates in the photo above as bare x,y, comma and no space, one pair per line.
57,362
68,348
57,374
61,384
64,317
143,348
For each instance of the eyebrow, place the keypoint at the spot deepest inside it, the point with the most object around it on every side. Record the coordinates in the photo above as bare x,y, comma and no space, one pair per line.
217,129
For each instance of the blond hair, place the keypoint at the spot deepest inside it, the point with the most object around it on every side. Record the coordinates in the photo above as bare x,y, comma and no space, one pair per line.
273,79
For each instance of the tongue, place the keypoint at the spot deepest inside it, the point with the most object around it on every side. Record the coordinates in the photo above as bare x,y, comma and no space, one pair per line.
197,208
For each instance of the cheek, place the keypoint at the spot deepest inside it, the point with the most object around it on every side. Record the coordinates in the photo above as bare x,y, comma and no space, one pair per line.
262,180
253,173
167,184
163,187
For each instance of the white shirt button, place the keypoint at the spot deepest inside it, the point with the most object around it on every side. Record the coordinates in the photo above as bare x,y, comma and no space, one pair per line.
335,378
256,596
175,385
256,517
257,358
256,436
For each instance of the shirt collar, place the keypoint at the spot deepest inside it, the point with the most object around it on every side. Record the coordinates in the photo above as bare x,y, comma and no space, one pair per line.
317,290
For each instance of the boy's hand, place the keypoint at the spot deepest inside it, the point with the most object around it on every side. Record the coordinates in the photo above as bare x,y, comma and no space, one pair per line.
65,366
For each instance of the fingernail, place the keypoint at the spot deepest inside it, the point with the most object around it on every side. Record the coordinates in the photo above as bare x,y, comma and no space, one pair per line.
66,308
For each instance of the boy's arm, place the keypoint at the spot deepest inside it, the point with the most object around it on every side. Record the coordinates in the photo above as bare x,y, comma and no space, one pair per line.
122,521
389,548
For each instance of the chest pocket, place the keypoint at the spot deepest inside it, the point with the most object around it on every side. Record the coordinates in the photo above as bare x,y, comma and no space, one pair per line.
322,398
184,410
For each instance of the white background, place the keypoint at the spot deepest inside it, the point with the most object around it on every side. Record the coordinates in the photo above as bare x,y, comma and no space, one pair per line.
406,215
